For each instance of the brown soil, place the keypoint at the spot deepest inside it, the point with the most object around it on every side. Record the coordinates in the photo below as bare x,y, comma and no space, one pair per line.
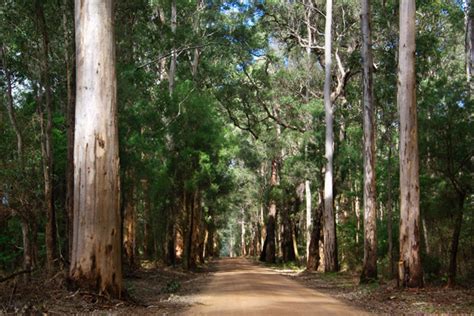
241,287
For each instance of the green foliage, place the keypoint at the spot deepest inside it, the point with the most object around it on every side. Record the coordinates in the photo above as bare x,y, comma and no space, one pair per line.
172,286
256,97
10,254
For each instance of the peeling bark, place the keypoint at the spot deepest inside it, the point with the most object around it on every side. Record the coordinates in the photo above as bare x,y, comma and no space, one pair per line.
409,266
96,256
369,268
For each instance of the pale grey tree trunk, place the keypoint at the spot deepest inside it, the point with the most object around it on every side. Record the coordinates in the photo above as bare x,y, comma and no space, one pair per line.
329,227
389,210
70,113
409,267
96,249
197,50
243,251
25,226
174,55
47,143
369,269
469,43
425,236
309,219
10,105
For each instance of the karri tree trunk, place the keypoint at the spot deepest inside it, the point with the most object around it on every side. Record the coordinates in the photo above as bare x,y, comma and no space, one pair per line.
453,253
410,271
313,261
47,143
70,114
129,226
243,250
148,240
10,106
389,211
193,231
287,242
96,250
329,227
309,220
174,55
369,269
470,44
211,229
25,225
269,246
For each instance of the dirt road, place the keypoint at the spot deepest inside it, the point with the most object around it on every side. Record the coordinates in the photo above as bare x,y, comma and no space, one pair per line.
240,287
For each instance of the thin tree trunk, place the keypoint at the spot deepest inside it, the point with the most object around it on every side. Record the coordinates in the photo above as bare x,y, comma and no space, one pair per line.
70,118
174,55
287,247
357,212
469,44
243,251
455,241
330,246
258,235
25,226
389,211
313,258
189,259
10,107
96,256
409,266
269,247
170,242
129,223
262,229
210,238
369,269
196,228
425,236
197,51
148,227
47,146
308,216
27,249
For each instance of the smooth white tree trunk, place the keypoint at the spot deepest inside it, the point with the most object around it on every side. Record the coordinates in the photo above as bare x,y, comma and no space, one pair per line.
309,218
329,228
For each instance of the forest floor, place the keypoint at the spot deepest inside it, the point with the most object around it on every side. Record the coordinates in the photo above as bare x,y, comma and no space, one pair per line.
384,297
150,290
232,286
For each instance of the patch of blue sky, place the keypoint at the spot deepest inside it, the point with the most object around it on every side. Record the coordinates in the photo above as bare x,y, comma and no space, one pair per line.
244,6
231,39
258,52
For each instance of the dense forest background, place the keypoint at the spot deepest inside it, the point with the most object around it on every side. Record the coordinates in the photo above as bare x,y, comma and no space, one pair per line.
221,125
